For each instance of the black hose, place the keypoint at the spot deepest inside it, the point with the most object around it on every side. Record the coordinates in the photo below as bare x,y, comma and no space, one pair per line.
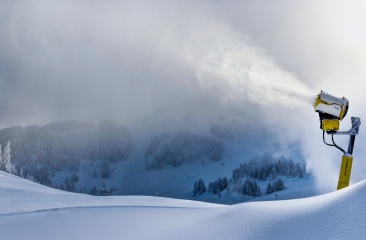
326,142
344,152
334,144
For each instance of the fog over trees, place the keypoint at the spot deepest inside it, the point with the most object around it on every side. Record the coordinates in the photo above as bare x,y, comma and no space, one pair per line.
182,147
60,153
43,150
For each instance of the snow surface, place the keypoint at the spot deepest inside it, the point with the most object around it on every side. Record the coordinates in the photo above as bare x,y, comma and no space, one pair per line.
32,211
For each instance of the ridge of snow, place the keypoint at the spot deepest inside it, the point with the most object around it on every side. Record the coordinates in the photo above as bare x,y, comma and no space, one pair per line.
29,210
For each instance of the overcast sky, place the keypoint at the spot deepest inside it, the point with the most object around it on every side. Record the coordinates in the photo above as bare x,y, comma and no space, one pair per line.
188,62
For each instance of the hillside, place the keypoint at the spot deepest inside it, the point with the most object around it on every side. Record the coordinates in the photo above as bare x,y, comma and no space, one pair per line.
108,158
32,211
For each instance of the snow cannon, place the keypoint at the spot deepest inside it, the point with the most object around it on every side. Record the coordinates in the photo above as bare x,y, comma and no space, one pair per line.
331,111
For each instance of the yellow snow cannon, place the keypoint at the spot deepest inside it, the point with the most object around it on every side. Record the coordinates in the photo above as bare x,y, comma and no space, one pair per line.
331,111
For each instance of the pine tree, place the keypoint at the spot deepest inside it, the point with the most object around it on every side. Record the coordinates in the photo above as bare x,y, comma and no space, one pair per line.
31,177
201,187
278,185
269,188
251,188
225,183
195,189
5,160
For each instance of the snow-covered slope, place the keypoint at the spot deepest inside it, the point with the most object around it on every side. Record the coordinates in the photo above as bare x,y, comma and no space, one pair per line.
32,211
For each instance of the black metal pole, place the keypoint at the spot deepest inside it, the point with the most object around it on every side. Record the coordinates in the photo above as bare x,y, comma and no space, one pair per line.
351,143
356,122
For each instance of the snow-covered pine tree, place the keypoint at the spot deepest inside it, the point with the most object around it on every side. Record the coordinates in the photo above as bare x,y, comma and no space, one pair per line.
5,160
278,185
9,166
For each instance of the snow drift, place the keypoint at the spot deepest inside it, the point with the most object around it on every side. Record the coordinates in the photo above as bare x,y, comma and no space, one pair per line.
32,211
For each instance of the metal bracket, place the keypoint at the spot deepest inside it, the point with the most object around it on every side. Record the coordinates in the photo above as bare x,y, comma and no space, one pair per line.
356,122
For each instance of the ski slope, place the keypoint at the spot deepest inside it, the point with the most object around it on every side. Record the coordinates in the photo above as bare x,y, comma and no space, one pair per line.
32,211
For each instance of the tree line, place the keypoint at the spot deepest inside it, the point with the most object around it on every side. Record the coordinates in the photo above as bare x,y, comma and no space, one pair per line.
43,150
261,169
245,177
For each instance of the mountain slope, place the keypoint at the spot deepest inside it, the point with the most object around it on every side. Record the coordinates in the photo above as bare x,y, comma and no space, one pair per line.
31,211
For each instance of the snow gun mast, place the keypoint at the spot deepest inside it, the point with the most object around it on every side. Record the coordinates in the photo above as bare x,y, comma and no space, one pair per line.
331,111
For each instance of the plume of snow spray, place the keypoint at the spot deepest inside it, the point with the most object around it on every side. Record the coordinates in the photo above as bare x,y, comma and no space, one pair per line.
224,61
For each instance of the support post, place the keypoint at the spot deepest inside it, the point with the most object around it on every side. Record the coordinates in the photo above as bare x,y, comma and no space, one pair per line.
345,172
347,159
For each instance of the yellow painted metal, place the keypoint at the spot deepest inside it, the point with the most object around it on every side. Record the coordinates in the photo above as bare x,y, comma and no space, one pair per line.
343,109
345,173
330,124
318,100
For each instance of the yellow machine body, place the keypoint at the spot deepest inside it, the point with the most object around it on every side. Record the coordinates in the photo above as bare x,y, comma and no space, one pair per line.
345,172
332,106
330,125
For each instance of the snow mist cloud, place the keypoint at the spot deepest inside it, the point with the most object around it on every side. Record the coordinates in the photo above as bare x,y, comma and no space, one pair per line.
223,60
168,64
91,60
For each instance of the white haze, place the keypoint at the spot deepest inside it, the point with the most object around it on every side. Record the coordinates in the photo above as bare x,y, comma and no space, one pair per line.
186,65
